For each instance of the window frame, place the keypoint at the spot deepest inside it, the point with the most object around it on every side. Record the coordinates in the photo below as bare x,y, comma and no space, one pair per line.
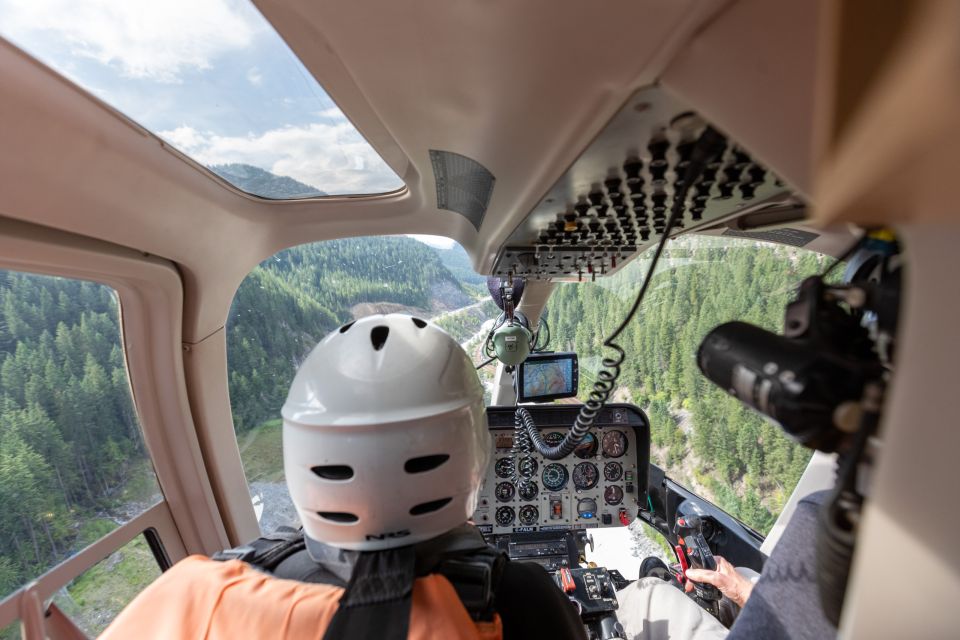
150,301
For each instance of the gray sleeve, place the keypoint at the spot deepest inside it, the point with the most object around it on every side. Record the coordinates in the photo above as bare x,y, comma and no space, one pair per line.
785,603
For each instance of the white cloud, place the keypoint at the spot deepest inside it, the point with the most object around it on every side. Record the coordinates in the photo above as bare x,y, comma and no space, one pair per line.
332,157
434,241
144,38
254,76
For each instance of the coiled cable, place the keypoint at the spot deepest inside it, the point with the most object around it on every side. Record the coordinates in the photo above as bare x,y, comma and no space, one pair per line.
521,449
709,145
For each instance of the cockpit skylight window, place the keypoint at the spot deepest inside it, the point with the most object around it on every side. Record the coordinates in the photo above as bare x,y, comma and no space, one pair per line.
212,78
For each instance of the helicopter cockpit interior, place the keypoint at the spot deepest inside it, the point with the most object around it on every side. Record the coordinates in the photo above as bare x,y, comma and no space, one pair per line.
686,244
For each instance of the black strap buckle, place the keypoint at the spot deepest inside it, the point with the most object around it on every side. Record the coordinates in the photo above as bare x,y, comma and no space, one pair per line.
244,553
473,582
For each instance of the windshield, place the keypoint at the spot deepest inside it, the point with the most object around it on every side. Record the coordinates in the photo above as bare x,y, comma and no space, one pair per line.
704,439
292,300
213,79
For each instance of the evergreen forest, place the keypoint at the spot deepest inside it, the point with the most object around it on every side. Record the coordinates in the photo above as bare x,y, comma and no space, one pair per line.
72,460
703,438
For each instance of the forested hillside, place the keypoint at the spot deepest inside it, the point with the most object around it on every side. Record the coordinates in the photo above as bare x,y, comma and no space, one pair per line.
263,183
69,439
293,299
72,460
703,438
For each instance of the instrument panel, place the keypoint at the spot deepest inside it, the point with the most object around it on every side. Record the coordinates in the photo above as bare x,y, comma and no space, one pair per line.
600,484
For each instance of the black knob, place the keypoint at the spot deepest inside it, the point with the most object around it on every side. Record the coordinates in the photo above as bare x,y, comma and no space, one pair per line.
595,198
658,150
632,169
582,208
741,157
757,174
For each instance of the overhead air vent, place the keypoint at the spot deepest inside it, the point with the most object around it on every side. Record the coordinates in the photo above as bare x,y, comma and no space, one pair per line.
463,185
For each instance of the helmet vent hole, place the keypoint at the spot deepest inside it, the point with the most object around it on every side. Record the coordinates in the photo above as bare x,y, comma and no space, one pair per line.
420,323
430,507
333,472
378,336
347,326
338,516
425,463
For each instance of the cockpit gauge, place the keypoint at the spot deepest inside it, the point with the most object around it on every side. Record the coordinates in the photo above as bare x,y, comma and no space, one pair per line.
614,444
505,516
554,477
529,514
553,438
504,468
587,447
612,471
587,508
527,467
613,494
585,475
527,490
504,491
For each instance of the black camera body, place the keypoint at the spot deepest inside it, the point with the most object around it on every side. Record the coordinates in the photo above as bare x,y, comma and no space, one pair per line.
810,380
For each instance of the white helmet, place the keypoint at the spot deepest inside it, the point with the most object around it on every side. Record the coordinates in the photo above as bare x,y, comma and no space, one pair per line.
385,439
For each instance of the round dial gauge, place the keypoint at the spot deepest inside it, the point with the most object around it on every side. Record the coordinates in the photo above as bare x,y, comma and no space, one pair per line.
587,508
504,467
528,490
587,447
529,514
527,467
614,444
612,471
554,477
585,475
613,495
553,438
505,516
504,491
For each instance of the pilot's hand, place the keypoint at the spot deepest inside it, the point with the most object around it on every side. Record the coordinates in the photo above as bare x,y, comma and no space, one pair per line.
731,584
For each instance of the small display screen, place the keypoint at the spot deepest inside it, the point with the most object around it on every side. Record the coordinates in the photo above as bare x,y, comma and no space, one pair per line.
546,376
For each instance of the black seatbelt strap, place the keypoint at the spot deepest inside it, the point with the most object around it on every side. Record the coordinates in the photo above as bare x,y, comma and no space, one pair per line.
475,578
266,552
376,602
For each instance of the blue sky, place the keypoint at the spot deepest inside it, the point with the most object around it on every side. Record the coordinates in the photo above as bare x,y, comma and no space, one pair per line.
210,76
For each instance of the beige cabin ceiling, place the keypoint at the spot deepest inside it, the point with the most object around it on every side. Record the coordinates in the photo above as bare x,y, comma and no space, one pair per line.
521,87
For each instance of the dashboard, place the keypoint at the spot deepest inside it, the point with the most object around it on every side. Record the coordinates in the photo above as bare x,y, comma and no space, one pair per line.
599,485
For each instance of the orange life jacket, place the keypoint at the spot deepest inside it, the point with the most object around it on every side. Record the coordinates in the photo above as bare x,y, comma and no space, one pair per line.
210,600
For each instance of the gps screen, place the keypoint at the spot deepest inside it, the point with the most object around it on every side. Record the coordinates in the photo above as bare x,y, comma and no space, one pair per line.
549,375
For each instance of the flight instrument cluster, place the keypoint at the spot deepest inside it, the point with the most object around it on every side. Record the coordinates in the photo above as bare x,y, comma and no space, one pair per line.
598,485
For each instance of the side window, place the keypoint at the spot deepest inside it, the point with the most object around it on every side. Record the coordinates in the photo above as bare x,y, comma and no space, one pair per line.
73,465
97,595
704,439
289,302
